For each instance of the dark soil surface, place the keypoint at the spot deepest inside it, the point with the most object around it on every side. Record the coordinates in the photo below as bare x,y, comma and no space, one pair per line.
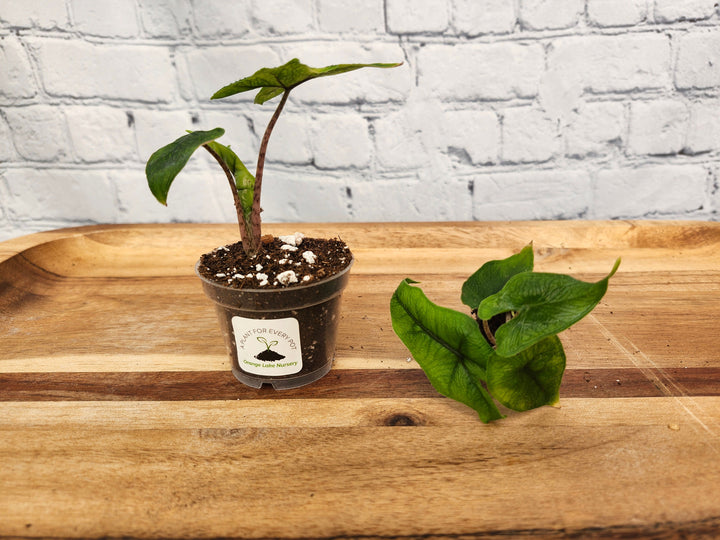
277,265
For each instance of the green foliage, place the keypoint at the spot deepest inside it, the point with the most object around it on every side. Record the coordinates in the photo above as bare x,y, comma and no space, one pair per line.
243,179
447,345
274,81
545,304
165,164
492,276
530,378
525,368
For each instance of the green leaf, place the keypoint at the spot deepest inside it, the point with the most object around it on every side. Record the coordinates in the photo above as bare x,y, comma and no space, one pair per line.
492,276
244,180
447,345
530,378
165,164
274,81
267,93
545,304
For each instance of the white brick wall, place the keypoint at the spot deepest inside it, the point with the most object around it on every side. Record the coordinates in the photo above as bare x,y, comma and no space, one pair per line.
525,109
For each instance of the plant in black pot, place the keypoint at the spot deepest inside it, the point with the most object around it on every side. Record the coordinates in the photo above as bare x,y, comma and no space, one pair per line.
277,298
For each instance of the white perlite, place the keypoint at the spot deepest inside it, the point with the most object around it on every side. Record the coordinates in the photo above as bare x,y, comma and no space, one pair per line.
263,279
288,247
309,256
292,239
287,277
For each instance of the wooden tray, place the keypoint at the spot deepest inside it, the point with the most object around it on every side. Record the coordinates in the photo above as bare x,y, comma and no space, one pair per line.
119,415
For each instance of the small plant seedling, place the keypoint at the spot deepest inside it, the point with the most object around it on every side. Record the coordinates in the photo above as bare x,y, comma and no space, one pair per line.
268,354
510,351
265,342
165,164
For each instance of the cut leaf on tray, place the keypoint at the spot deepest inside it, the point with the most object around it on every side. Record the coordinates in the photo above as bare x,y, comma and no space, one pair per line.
525,368
544,304
529,379
492,276
447,345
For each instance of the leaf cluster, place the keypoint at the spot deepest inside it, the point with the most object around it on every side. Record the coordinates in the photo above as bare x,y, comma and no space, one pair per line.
166,163
521,363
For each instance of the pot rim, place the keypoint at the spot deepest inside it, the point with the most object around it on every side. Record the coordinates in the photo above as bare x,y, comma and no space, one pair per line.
335,276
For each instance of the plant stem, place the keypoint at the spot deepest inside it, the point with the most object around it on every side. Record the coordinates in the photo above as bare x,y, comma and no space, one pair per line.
244,232
255,221
488,332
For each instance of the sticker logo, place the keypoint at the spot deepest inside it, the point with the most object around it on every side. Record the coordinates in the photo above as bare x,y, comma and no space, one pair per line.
268,355
268,346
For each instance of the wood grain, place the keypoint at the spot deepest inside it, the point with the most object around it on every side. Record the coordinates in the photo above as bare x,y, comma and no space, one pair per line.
119,416
341,383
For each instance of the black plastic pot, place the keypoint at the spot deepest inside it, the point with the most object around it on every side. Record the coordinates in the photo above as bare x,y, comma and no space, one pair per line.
282,337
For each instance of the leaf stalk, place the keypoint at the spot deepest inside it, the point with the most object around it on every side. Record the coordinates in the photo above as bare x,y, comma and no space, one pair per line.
252,245
244,232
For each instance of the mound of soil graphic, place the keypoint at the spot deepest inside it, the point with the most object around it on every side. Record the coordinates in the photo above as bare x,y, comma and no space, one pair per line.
269,356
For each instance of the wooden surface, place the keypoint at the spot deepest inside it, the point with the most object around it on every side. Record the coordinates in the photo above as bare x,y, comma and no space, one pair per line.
119,416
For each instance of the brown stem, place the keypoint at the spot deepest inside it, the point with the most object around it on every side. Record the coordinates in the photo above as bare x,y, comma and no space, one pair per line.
488,332
255,220
236,198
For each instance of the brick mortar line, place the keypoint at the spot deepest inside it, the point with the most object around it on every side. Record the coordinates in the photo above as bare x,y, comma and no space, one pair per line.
522,36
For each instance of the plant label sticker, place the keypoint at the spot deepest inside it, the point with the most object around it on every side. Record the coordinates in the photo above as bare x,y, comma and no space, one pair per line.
268,346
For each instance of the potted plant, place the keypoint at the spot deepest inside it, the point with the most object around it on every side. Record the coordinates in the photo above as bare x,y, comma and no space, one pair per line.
277,299
509,350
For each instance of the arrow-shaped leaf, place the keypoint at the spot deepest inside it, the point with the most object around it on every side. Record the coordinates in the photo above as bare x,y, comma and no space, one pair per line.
529,379
165,163
492,276
274,81
448,346
545,304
